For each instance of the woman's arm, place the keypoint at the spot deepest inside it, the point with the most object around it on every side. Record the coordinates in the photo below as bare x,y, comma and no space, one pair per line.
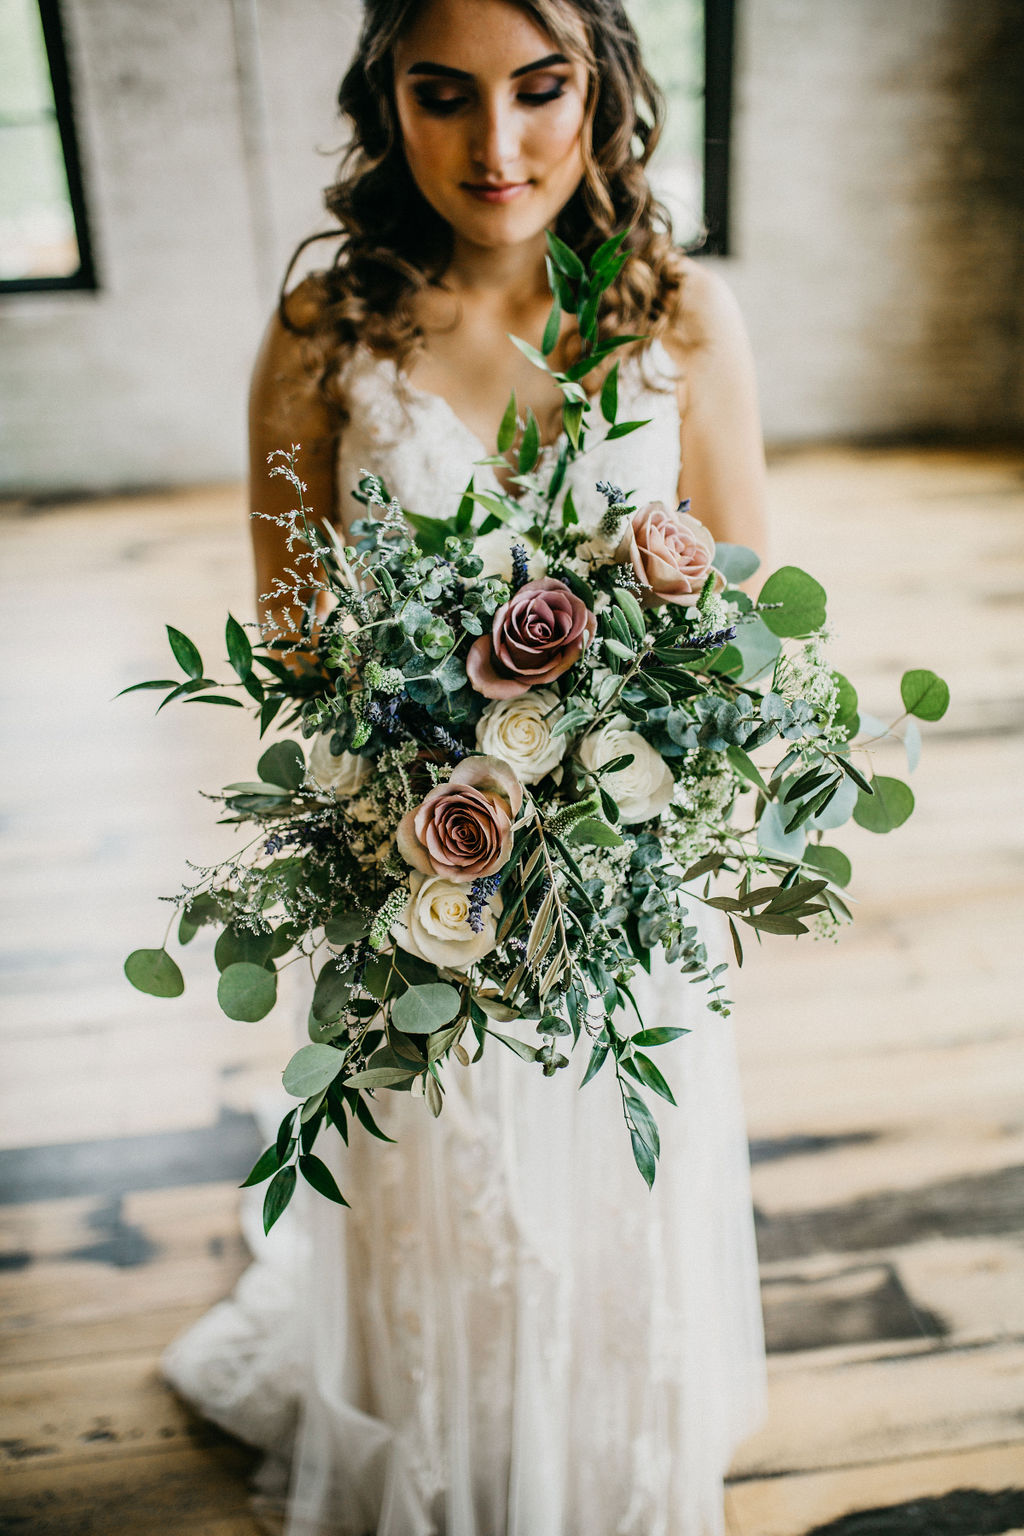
286,406
723,469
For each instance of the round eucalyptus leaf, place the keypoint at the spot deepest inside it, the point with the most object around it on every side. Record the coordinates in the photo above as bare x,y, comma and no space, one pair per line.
153,971
283,763
247,992
773,837
312,1069
846,712
802,599
736,562
421,1010
233,947
888,808
924,694
831,861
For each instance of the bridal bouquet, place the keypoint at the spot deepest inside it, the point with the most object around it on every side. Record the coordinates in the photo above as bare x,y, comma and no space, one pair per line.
534,744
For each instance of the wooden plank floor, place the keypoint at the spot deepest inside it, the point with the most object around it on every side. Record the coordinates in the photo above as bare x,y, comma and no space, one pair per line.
884,1076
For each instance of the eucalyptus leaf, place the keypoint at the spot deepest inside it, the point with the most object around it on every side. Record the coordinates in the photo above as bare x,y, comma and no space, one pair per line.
153,971
311,1070
802,599
381,1077
422,1009
888,808
736,563
831,861
283,763
773,837
924,694
247,992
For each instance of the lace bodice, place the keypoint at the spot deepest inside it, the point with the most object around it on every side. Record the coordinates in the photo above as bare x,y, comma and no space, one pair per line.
425,452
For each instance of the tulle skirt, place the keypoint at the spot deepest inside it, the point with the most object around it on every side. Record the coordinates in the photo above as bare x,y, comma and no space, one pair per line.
507,1334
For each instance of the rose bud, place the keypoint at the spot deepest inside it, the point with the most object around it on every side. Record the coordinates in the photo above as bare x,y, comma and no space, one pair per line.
536,636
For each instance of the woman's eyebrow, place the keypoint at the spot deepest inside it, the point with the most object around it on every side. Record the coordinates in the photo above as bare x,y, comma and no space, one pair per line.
426,68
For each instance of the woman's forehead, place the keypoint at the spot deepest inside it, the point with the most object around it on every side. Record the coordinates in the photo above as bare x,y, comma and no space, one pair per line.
477,37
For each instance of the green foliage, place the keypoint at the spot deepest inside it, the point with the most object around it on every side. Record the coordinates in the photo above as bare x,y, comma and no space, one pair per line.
185,653
247,992
312,1069
886,809
422,1009
283,764
280,1191
802,602
924,694
153,971
736,563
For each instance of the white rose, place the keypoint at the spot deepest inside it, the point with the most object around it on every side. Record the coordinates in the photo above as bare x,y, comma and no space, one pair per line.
343,775
495,550
435,924
519,732
643,789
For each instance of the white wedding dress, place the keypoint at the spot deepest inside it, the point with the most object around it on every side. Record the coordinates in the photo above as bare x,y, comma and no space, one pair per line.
507,1334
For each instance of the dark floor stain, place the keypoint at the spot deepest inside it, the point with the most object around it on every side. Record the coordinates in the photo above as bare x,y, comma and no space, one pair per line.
21,1450
17,1258
964,1512
856,1305
120,1244
166,1160
973,1205
771,1149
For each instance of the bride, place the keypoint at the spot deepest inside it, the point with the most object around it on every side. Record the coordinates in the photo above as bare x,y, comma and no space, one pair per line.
506,1335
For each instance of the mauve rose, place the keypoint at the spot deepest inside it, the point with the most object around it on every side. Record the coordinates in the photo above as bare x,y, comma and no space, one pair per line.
463,829
671,552
536,636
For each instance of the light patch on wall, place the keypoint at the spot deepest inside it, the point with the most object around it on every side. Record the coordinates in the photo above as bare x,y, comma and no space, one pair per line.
671,34
37,222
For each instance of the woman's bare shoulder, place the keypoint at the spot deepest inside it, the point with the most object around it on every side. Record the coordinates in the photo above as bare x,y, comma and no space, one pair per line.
287,378
706,318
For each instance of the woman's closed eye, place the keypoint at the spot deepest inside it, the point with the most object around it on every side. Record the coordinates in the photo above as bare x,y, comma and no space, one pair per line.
442,101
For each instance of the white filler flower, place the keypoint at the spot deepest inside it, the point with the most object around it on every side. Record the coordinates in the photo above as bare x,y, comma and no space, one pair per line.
342,775
643,789
435,925
495,550
519,732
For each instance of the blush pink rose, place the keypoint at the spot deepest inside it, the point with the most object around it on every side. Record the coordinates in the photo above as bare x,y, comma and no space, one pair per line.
463,829
536,636
670,552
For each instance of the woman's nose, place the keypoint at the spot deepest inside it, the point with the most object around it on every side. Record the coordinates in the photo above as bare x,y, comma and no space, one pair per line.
494,141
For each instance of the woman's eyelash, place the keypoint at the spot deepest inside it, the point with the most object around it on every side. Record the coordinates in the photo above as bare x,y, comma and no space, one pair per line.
445,106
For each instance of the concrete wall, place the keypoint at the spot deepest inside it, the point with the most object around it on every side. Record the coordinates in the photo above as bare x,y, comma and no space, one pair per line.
878,205
877,201
199,133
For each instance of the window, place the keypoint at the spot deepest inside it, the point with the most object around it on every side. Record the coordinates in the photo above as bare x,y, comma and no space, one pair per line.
688,48
44,242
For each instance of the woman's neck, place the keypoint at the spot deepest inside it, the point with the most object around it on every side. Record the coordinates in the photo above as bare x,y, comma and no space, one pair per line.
507,277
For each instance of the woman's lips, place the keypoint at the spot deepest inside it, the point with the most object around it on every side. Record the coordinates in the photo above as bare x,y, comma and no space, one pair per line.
488,193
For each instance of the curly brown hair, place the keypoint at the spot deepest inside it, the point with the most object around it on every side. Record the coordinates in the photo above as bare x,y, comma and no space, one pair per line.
393,243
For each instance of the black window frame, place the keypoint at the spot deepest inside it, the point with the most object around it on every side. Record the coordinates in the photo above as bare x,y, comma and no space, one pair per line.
719,41
57,60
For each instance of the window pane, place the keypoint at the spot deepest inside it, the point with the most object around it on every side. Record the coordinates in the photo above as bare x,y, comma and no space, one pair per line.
672,35
37,226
